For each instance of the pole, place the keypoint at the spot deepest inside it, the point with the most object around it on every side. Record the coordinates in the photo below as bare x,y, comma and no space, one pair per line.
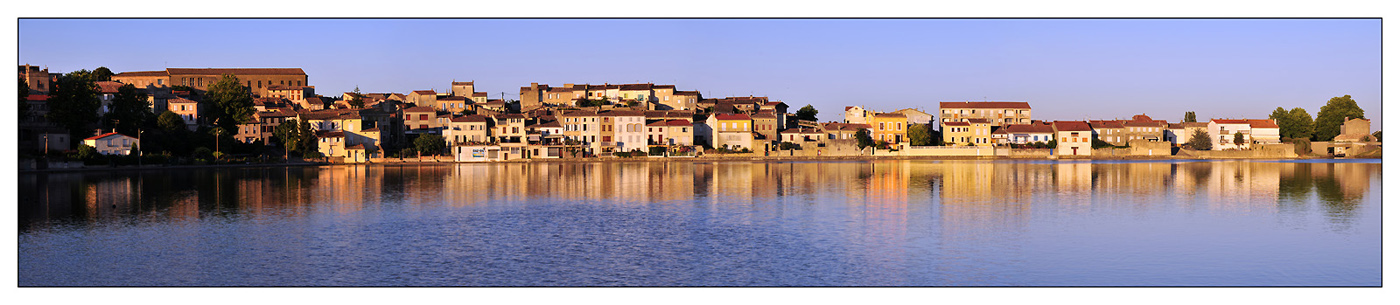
139,153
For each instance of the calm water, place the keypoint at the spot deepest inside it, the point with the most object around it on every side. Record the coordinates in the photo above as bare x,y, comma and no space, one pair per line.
920,223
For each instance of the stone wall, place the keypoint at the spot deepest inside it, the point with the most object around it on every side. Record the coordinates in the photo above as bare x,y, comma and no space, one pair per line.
922,151
1029,152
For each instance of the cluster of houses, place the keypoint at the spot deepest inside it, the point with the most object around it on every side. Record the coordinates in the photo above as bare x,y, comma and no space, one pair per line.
590,120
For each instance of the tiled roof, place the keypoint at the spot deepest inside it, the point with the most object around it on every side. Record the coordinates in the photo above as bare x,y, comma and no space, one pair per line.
235,71
375,129
686,93
1106,124
956,123
470,118
108,86
356,147
37,97
285,87
452,98
959,105
1071,126
765,115
978,121
635,87
740,116
105,135
1229,121
425,92
892,115
330,114
622,113
479,94
1262,124
510,116
179,100
1143,124
461,83
549,124
579,113
141,73
420,109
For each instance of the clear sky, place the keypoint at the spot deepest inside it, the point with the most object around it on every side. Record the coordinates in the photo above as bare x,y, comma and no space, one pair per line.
1068,69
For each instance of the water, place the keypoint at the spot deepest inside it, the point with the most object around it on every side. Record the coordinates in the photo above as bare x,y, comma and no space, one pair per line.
878,223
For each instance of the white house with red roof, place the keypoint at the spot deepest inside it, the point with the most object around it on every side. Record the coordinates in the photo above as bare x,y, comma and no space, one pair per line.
1073,138
1222,133
112,143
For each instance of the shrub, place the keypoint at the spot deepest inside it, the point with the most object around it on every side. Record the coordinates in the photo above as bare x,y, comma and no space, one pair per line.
203,153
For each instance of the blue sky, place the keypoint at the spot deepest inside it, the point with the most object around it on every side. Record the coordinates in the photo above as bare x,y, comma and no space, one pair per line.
1066,68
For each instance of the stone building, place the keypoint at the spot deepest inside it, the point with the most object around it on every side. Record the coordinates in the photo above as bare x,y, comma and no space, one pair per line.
257,80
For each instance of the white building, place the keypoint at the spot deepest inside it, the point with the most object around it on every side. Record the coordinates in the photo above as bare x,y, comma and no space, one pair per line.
112,143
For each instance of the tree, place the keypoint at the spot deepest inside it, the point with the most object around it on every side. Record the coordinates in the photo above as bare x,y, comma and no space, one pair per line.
1190,117
1200,140
356,99
232,103
288,135
170,122
102,74
306,139
1331,116
1296,123
430,144
863,139
1239,138
920,135
807,113
1377,134
23,99
73,103
129,110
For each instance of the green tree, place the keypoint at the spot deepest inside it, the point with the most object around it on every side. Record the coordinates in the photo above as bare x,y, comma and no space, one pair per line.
1296,123
807,113
287,135
232,103
73,103
357,100
920,135
1200,140
1331,116
430,144
129,110
23,99
1190,117
863,138
102,74
306,139
170,122
1239,138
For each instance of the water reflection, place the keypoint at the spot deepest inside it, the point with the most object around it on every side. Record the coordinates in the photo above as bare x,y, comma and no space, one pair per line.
881,222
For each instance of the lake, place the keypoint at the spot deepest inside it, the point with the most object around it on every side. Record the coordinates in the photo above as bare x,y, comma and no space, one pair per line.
862,223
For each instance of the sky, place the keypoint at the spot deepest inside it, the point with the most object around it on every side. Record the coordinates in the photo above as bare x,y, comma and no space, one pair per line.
1067,69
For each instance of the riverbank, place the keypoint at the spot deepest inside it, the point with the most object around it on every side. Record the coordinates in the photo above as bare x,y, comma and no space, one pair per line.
411,161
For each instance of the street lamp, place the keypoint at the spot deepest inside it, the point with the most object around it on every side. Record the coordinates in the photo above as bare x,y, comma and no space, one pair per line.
140,154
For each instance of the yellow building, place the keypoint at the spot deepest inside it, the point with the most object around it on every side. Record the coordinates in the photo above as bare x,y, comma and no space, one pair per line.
257,80
889,127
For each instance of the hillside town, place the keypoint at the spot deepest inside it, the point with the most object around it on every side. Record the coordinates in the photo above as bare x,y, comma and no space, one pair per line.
281,116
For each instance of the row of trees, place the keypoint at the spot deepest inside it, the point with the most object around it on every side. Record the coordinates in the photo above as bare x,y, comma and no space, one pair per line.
1298,124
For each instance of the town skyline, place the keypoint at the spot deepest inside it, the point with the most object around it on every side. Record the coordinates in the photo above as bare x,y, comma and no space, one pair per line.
1070,69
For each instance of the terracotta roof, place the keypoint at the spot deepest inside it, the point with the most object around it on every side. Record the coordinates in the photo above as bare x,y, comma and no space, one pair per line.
723,116
955,123
1143,124
773,103
356,147
1262,124
1071,126
314,101
622,113
141,73
511,116
549,124
235,71
461,83
179,100
765,115
425,92
957,105
37,97
1229,121
892,115
1105,124
1028,128
635,87
106,135
108,86
285,87
579,113
978,120
420,109
375,129
1174,126
470,119
561,90
452,98
330,114
479,94
686,93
